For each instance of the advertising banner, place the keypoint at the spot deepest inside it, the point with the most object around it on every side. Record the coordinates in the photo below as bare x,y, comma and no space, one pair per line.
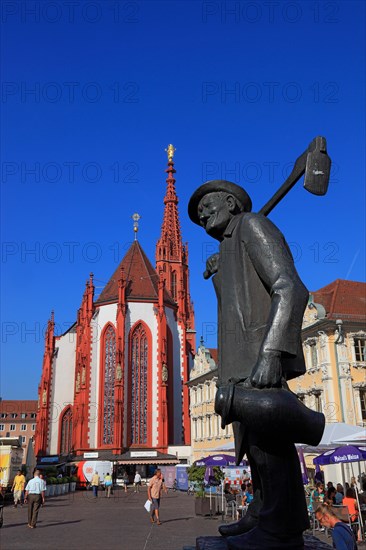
182,478
86,469
4,467
168,475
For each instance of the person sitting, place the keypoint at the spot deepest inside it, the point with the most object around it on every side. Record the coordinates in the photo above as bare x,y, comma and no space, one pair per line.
317,495
351,503
248,495
229,493
330,497
342,535
339,495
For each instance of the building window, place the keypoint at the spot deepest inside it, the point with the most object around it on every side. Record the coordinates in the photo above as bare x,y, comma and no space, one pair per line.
174,285
66,432
209,432
363,404
12,427
108,387
33,427
360,349
200,427
318,402
24,439
23,415
3,415
139,372
13,415
313,356
218,425
23,427
33,415
2,427
195,429
199,394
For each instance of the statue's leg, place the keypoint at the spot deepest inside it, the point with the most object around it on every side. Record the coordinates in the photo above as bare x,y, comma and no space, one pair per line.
284,509
283,516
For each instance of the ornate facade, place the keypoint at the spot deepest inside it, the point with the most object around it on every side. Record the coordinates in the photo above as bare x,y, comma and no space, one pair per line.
116,380
207,434
334,341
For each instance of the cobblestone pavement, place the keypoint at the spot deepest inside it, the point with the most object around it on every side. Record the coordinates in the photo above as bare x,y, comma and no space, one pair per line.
77,521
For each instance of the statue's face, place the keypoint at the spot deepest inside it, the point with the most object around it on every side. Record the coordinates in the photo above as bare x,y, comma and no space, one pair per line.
215,213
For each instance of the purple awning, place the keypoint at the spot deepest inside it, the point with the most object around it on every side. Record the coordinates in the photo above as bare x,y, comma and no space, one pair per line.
347,453
219,460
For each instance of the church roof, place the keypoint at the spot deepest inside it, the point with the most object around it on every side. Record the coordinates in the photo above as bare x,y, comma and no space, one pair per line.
141,278
343,299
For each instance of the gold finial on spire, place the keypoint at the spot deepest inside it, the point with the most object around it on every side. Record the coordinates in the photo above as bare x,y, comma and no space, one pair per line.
136,217
170,150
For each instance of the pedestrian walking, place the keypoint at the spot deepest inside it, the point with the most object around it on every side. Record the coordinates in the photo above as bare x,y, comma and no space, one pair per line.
108,483
154,490
34,496
342,535
125,481
95,484
18,488
137,482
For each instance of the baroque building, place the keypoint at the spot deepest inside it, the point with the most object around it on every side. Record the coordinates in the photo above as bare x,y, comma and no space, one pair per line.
18,419
334,343
116,379
206,432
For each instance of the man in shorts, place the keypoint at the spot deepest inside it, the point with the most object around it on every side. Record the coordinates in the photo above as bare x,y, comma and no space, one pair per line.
18,488
154,490
137,482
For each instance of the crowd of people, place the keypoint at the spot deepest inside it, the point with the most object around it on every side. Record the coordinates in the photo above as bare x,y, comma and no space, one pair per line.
322,502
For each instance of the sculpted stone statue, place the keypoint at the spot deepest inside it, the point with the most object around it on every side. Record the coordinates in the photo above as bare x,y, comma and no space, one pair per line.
261,301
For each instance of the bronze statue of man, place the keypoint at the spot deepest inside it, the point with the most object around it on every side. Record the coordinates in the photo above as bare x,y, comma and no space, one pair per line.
261,301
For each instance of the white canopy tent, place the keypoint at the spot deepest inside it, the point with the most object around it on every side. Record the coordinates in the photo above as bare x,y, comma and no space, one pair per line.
358,438
333,435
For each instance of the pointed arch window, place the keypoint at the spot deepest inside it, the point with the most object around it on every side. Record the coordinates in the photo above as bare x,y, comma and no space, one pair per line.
108,386
139,374
174,285
66,432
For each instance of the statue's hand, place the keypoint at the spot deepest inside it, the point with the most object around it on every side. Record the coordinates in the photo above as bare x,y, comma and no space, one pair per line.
267,372
212,265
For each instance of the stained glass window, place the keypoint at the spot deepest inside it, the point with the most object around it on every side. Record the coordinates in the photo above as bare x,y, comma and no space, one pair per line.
139,403
108,394
66,432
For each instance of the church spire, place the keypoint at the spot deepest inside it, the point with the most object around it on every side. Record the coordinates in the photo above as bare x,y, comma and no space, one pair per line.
169,247
172,265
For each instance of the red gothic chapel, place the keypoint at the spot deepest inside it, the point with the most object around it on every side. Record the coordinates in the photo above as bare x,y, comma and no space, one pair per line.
116,379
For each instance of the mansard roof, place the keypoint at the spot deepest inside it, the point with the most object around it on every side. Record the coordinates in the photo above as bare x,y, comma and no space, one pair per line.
343,300
141,279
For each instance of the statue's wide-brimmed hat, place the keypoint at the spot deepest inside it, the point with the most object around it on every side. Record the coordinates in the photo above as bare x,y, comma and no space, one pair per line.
218,185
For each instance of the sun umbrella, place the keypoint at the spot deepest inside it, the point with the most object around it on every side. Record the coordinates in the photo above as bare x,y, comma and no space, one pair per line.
219,460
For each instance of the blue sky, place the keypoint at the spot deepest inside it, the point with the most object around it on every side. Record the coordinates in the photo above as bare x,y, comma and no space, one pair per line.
93,93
